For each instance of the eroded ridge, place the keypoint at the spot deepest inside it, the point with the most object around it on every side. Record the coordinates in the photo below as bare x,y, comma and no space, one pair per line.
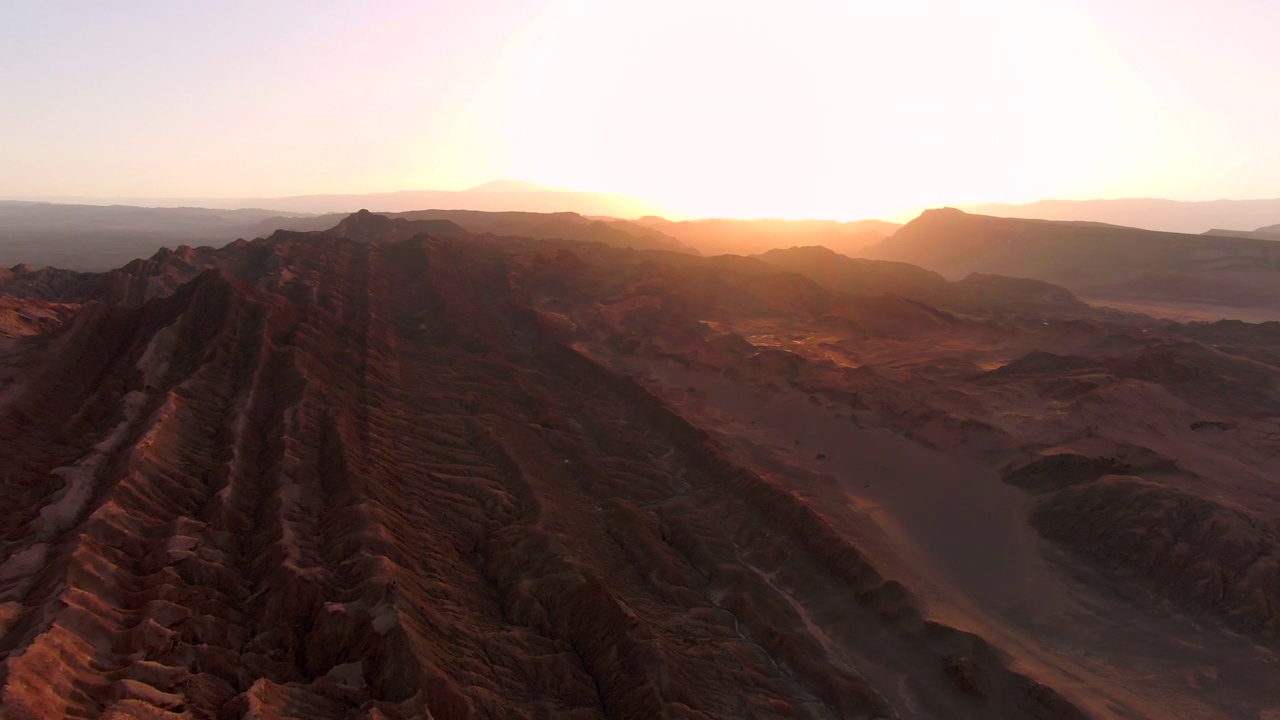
311,477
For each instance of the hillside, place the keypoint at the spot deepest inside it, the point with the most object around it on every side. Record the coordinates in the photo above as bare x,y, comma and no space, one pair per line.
1093,260
976,293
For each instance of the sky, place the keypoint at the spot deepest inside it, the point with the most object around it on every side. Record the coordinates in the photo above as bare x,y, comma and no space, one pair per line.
792,109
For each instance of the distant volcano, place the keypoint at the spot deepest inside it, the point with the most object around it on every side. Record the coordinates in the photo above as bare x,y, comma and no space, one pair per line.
505,185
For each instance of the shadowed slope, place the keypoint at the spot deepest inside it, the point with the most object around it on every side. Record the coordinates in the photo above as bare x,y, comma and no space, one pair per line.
976,293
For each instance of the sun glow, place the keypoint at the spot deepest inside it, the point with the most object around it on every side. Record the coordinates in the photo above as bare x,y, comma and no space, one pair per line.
812,108
841,110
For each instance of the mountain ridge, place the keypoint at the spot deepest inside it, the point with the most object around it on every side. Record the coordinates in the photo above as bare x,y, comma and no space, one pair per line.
1093,260
378,474
1157,214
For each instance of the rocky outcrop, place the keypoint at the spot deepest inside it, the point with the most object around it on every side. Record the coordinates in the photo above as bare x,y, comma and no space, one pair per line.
1197,552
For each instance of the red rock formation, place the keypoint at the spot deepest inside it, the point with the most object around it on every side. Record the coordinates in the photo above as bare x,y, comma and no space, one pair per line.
314,477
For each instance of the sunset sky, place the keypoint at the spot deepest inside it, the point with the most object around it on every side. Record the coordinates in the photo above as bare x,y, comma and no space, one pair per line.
799,109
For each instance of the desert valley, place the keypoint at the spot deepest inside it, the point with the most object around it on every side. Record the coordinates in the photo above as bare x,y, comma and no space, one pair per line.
449,465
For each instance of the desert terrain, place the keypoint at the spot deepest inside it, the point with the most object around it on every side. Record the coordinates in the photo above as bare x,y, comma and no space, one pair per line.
394,469
1176,275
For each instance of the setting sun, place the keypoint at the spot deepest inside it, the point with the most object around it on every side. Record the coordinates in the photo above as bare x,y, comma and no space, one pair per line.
841,110
811,109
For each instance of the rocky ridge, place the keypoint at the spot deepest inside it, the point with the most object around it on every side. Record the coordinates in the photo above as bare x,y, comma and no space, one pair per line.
307,476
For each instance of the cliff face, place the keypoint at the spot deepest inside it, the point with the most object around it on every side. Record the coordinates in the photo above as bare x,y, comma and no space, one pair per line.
313,477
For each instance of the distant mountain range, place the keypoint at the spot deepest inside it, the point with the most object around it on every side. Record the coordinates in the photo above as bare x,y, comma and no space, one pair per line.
1095,260
499,195
1092,259
446,223
1151,214
96,237
511,186
719,236
1271,232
